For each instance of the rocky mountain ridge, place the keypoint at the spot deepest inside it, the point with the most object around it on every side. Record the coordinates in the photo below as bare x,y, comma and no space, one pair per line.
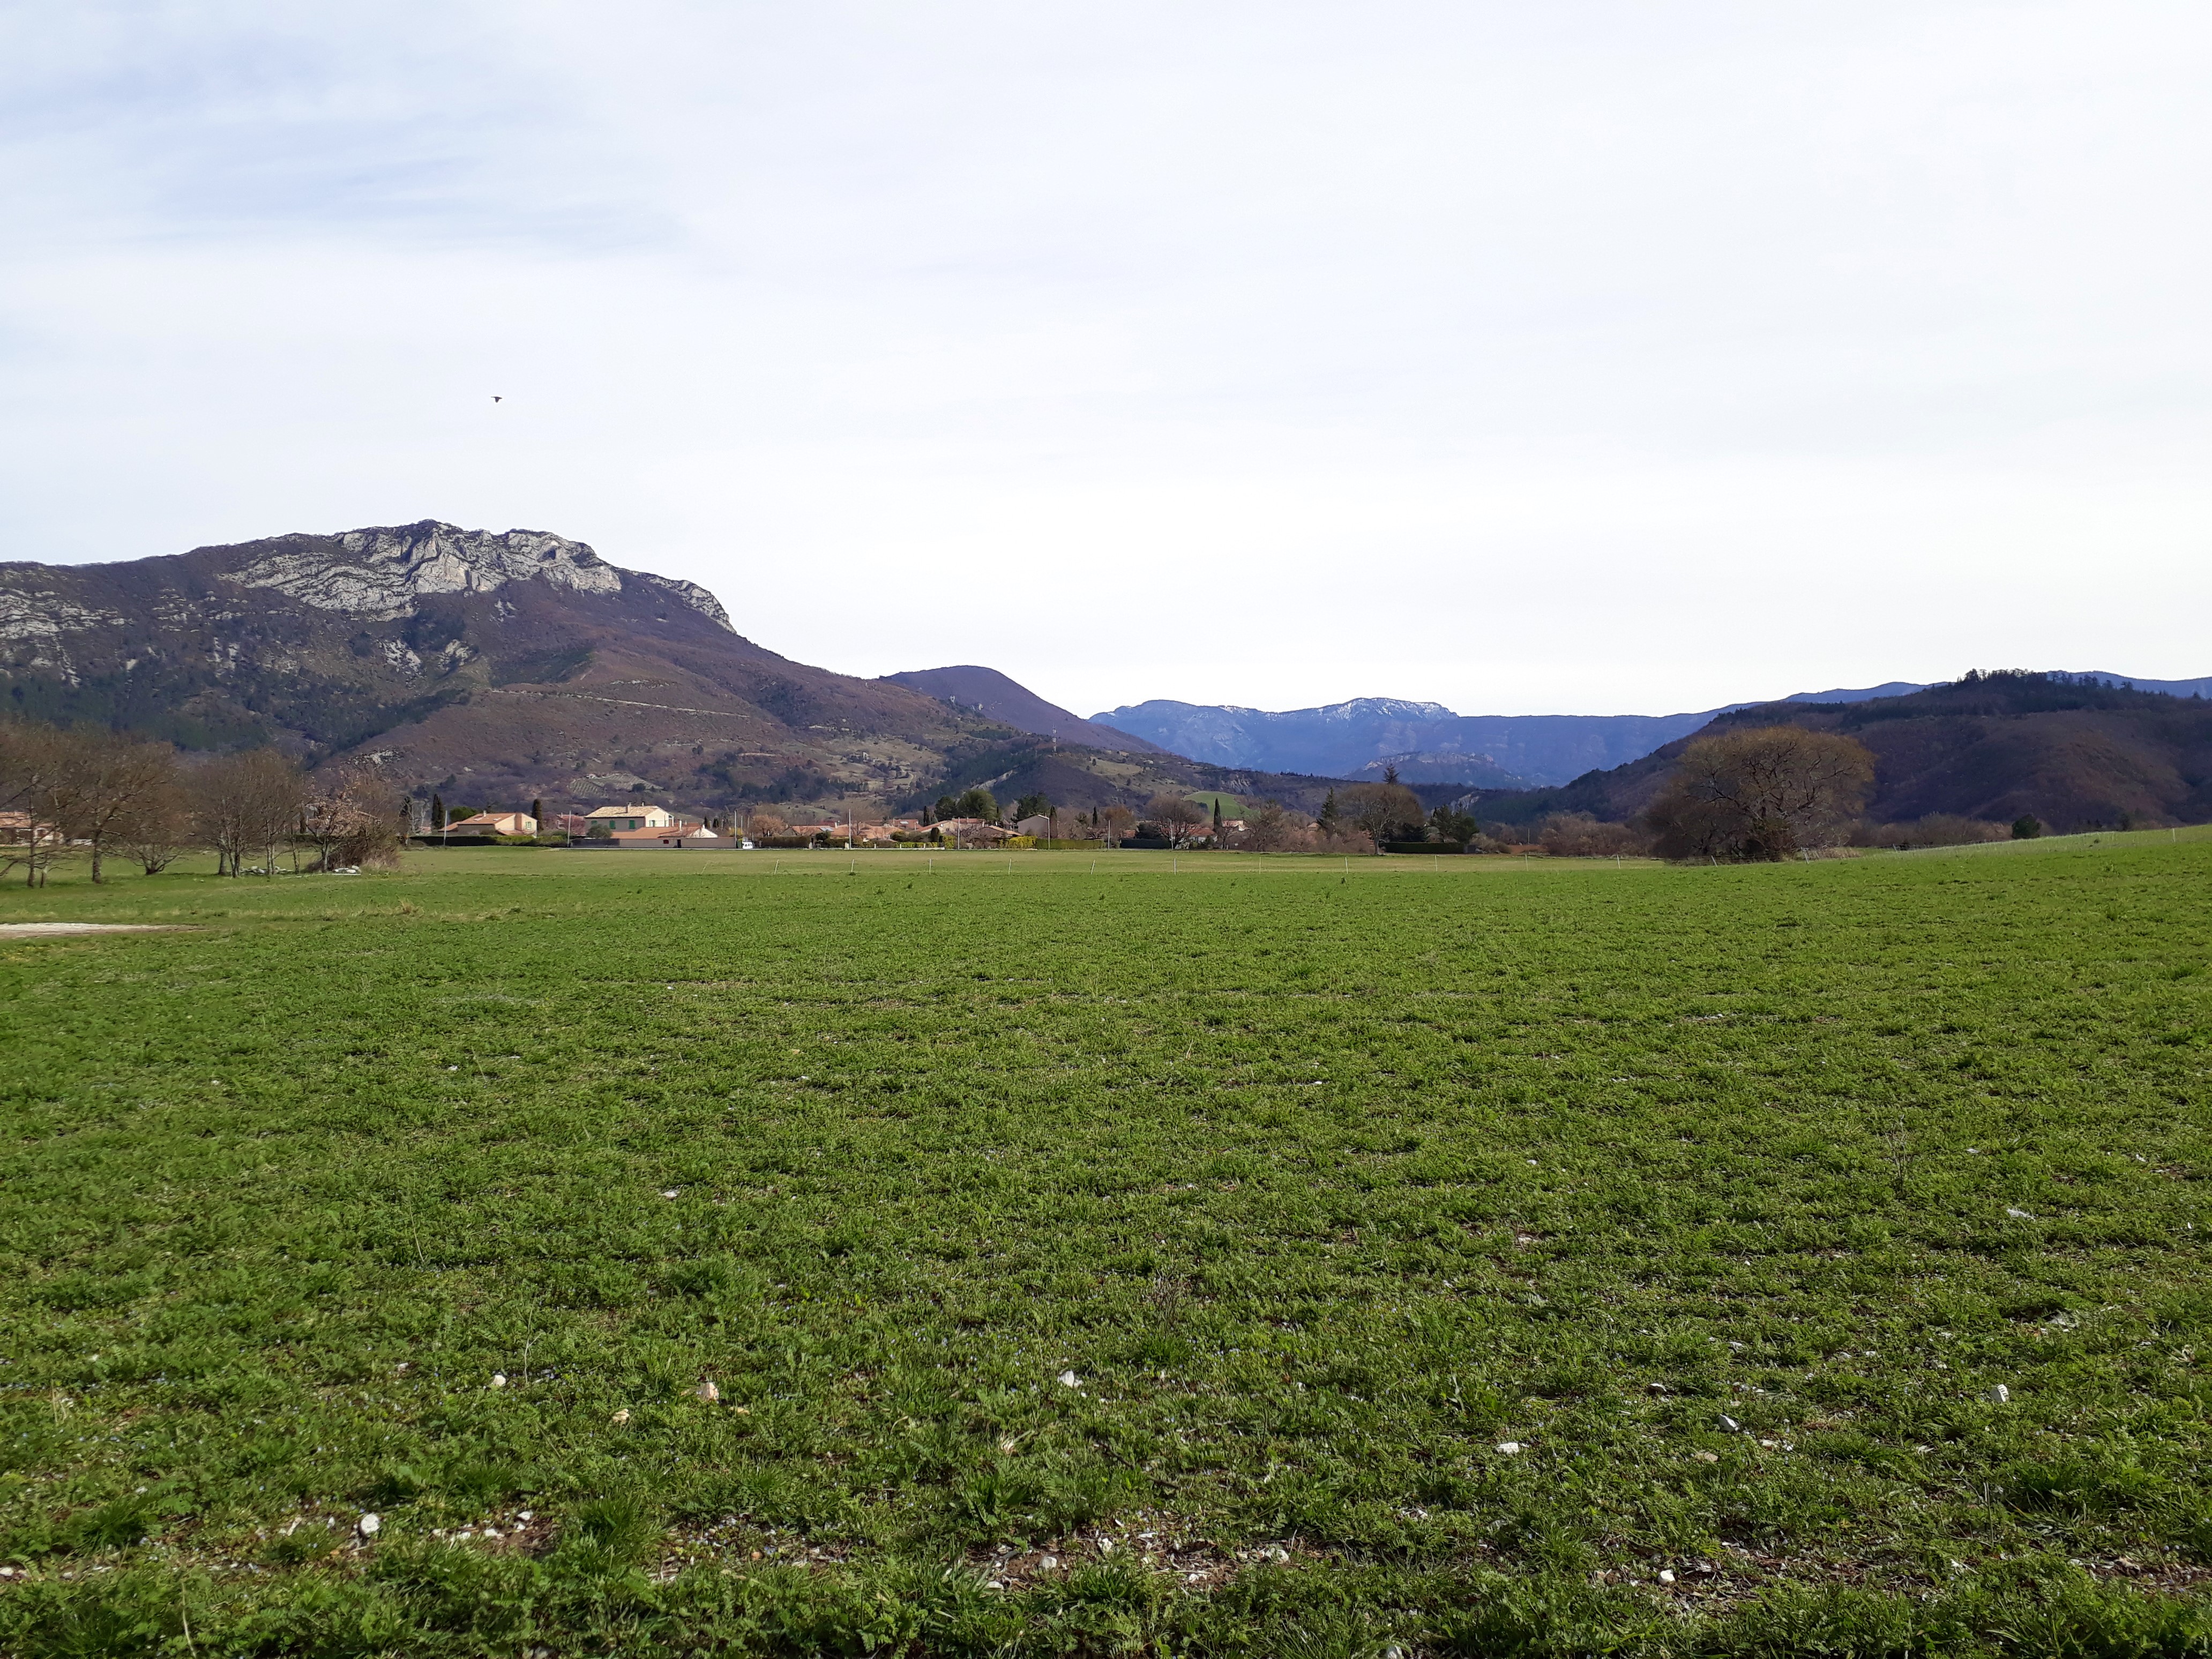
515,663
504,667
51,614
384,572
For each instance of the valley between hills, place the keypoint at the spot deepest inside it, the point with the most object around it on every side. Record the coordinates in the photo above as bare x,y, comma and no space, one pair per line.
501,668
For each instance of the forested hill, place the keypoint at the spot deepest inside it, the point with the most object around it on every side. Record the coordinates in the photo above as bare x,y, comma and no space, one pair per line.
2076,753
995,696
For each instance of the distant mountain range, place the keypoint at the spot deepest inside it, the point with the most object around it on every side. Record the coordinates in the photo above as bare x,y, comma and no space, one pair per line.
2077,751
1428,743
501,668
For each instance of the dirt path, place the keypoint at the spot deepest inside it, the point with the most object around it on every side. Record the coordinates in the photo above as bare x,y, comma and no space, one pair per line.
49,929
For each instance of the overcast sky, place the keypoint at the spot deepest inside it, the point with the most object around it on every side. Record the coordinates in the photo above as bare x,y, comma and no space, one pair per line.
1526,357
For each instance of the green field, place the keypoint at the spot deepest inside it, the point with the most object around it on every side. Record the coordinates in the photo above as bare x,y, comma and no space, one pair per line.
1726,1195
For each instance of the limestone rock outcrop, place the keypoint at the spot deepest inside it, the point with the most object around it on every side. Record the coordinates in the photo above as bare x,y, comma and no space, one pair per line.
384,573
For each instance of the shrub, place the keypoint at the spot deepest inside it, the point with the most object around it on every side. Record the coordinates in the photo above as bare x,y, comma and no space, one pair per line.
1270,827
1582,835
1937,829
1953,829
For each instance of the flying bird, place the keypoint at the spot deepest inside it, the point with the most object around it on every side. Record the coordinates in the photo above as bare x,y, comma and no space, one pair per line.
497,398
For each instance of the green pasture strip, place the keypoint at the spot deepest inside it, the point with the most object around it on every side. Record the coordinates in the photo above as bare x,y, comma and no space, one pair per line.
2178,836
1437,1252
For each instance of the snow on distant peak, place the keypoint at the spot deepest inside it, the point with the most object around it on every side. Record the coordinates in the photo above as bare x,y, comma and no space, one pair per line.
1396,709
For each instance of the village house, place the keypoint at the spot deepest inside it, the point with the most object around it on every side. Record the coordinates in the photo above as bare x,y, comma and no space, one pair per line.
836,831
17,831
971,832
639,817
671,835
494,824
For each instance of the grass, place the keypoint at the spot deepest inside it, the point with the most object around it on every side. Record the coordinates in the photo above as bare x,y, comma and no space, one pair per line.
1727,1196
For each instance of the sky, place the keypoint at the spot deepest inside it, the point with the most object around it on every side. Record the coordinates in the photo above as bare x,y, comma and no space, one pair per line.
1576,357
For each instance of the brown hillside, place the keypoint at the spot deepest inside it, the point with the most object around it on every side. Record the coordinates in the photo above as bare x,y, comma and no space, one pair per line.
500,667
2076,754
1013,766
508,667
991,694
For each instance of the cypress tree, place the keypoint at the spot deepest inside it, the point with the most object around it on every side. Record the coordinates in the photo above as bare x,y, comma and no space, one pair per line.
437,812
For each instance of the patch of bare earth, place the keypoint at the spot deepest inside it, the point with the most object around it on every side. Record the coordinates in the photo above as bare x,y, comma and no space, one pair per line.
63,929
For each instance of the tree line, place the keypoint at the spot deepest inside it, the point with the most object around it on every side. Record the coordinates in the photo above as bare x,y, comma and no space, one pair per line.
1760,793
1769,793
71,792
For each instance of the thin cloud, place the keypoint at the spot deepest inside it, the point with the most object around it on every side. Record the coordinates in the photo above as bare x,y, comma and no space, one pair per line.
1587,356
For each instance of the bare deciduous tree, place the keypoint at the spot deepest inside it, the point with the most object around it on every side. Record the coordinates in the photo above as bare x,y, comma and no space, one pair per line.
158,828
217,819
273,792
1176,815
1116,822
244,804
1271,828
1382,812
1764,794
33,759
98,779
350,817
